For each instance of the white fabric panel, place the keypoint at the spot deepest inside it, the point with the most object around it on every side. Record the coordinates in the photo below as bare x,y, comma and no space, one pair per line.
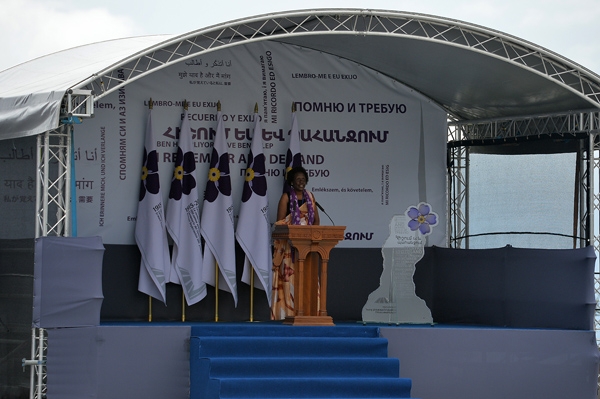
372,146
30,93
29,114
67,282
461,363
119,361
141,361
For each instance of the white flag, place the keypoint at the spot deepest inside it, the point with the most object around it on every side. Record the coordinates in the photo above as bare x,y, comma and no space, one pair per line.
254,229
293,157
150,231
183,220
217,218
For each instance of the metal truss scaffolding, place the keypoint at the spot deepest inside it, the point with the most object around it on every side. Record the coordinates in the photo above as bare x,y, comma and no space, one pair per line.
594,161
347,22
584,126
39,348
53,196
53,204
458,198
53,210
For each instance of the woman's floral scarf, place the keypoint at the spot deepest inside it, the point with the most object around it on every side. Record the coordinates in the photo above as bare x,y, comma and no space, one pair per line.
295,209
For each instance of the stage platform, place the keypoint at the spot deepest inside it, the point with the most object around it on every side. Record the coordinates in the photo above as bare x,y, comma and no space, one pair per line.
511,323
152,360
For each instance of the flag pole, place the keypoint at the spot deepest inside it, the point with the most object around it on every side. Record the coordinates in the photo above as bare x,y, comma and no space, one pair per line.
185,108
252,266
251,293
216,263
150,106
216,291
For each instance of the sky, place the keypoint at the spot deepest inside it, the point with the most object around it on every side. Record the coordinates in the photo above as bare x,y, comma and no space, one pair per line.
33,28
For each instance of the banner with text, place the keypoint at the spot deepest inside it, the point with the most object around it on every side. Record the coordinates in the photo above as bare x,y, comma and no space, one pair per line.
372,146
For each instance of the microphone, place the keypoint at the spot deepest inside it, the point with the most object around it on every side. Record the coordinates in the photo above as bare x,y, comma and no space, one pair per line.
323,210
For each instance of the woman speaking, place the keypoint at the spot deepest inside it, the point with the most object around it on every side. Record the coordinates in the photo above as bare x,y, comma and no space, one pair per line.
296,206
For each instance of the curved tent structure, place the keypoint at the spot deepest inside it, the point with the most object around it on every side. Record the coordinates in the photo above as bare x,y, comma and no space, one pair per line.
490,85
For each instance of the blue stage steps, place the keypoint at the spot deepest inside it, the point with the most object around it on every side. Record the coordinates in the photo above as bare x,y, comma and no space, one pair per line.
272,360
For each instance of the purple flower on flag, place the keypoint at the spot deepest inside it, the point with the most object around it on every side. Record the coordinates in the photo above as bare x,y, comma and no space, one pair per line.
183,180
255,177
291,162
218,177
421,218
150,179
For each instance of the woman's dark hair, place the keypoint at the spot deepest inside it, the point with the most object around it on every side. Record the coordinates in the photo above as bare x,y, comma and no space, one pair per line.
293,172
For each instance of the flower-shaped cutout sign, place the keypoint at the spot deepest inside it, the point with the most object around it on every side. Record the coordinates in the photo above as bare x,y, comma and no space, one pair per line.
422,218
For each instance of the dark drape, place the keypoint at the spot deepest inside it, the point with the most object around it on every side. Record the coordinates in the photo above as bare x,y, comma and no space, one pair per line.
67,288
512,287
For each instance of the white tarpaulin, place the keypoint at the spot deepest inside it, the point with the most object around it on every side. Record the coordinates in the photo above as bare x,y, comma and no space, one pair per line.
372,146
31,93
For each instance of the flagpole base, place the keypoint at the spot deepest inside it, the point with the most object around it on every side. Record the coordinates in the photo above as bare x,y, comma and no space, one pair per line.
309,321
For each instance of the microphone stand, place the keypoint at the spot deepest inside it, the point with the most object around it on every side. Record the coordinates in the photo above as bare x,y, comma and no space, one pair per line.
323,210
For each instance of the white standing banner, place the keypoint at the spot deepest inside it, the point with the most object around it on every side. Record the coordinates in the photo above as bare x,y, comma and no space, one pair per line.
293,156
217,226
254,227
372,146
150,230
183,220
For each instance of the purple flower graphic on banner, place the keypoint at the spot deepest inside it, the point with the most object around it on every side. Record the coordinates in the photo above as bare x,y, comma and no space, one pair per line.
291,162
218,177
183,180
255,177
150,180
421,218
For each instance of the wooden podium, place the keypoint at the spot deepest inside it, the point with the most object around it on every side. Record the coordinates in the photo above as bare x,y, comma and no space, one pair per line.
312,244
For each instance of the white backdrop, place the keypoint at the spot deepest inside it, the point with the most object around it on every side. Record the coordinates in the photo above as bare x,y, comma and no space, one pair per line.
372,146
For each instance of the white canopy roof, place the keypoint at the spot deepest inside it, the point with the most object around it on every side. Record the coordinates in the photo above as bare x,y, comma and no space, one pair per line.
31,93
473,72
